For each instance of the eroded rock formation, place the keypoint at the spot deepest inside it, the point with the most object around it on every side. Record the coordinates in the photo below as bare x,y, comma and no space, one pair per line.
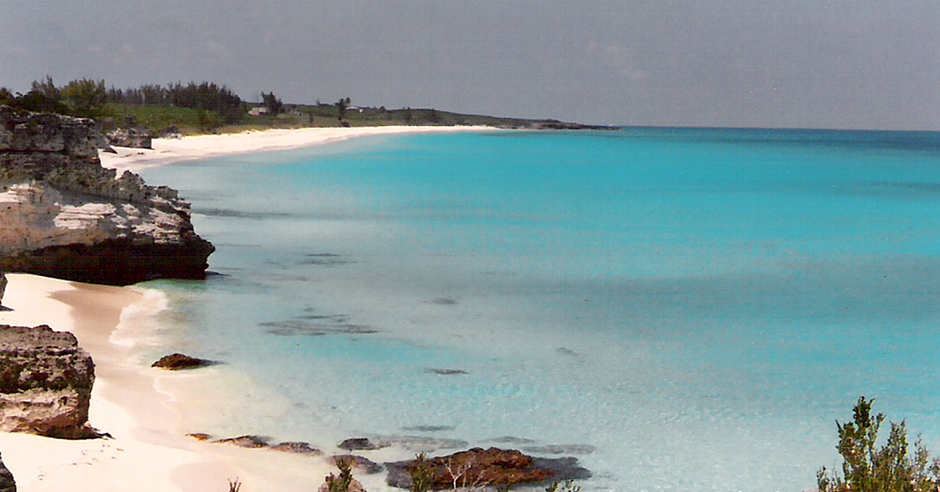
7,484
45,383
63,215
134,137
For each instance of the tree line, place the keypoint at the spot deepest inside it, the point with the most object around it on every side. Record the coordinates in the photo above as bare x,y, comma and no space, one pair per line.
88,98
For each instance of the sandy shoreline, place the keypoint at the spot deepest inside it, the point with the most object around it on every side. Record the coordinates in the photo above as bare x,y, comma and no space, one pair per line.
166,151
137,405
149,450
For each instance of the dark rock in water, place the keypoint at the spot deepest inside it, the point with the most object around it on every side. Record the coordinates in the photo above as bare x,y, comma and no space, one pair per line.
45,383
252,442
445,372
296,448
358,444
178,361
561,449
511,440
420,443
67,217
316,326
134,137
7,484
430,428
362,465
493,467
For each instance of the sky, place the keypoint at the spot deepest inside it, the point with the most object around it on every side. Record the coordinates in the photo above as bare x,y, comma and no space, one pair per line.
851,64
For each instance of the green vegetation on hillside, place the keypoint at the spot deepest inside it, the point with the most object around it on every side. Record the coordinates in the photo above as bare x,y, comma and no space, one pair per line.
211,108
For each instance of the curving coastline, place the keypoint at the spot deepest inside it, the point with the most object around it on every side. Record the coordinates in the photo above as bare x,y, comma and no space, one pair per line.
140,406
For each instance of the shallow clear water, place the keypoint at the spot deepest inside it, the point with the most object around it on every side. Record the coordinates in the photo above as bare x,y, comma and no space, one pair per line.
684,309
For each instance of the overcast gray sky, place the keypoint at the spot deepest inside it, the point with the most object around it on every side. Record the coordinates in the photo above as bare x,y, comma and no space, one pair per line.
766,63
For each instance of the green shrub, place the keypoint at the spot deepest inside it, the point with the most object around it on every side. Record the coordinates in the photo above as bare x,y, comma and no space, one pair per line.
422,473
344,480
889,468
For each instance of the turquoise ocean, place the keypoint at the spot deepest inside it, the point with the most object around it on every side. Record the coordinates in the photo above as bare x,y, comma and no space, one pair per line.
680,309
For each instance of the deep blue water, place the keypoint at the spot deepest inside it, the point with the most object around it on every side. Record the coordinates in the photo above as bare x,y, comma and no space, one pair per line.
686,309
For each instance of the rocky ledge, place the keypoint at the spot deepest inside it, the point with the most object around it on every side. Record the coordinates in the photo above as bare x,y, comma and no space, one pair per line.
45,383
63,215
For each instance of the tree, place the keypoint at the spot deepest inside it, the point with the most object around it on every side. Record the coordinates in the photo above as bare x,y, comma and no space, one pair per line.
274,105
85,97
6,97
342,105
37,102
46,88
890,468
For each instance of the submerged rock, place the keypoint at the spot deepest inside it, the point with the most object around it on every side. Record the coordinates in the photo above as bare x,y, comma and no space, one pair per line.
296,447
252,442
67,217
492,467
45,383
175,362
7,484
358,444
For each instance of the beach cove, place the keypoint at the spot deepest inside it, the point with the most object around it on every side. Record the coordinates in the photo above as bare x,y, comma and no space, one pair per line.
148,447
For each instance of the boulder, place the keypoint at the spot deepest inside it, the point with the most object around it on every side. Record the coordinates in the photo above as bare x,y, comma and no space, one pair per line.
65,216
7,484
134,137
489,467
45,383
175,362
358,444
3,286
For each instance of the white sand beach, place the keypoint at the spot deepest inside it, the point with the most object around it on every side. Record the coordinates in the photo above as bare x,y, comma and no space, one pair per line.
204,146
149,450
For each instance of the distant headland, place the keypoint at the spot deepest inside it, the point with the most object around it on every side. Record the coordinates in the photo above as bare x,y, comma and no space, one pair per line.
207,108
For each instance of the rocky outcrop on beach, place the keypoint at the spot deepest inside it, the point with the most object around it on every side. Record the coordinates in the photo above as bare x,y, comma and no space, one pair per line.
7,484
3,286
45,383
488,467
134,137
63,215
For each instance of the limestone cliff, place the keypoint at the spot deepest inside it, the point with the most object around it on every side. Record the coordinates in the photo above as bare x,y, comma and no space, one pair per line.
45,383
63,215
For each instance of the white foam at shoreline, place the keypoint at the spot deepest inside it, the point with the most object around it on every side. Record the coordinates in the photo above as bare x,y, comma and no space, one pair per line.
129,331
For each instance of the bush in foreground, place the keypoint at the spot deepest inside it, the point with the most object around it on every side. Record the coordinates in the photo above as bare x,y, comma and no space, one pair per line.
889,468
